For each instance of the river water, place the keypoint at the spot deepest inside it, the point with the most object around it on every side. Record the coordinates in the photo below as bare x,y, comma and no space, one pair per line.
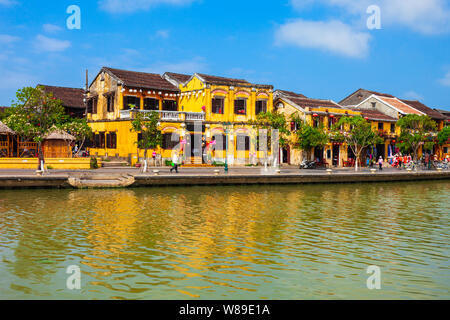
231,242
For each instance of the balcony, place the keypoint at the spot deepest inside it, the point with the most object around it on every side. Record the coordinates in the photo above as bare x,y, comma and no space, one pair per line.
166,115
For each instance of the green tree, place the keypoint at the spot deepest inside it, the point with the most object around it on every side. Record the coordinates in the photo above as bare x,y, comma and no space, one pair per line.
33,115
151,137
416,130
308,137
273,120
357,133
443,136
79,128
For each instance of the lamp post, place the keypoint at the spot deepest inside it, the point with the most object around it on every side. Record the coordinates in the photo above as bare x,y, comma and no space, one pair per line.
226,126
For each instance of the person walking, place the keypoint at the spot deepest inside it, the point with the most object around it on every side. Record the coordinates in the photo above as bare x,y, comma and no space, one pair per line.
380,163
174,162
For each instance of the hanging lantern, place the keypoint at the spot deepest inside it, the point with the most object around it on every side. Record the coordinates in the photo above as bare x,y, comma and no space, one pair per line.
366,118
315,115
331,115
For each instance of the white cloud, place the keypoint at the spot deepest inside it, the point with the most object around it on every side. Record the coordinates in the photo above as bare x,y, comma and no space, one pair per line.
51,28
332,36
412,95
188,66
43,43
16,79
7,2
7,39
128,6
445,81
163,34
424,16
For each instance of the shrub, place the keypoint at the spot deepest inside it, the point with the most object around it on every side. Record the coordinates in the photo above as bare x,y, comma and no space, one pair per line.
94,164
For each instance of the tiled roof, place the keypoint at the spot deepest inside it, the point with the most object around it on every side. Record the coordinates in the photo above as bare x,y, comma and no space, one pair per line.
428,111
288,94
403,107
445,113
145,80
307,102
70,97
374,115
2,109
182,78
360,95
230,81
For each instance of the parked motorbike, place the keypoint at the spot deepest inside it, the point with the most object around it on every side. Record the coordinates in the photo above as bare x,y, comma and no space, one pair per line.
306,164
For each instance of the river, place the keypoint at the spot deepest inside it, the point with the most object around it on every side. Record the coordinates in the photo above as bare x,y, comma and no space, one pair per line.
230,242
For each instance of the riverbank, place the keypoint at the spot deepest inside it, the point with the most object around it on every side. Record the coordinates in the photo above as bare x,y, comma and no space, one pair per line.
130,177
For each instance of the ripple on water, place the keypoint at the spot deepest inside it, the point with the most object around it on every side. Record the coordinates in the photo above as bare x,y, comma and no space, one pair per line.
252,242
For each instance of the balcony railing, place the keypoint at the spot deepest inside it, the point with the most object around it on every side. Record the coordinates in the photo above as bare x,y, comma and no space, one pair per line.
166,115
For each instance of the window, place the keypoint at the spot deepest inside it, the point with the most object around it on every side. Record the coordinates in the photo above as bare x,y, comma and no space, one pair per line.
445,149
392,127
218,105
242,143
111,140
110,103
131,100
151,104
380,126
240,106
261,106
169,105
331,122
168,143
374,104
101,140
221,142
92,105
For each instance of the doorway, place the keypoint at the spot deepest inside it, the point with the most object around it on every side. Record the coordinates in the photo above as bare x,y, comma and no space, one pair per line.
336,155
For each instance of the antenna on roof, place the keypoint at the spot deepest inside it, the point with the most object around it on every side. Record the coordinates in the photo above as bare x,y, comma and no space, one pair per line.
87,80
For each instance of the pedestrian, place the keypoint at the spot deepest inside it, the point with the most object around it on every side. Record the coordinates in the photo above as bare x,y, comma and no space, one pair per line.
380,163
174,162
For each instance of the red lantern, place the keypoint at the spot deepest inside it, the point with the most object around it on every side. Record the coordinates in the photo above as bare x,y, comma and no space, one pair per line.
315,115
367,118
331,115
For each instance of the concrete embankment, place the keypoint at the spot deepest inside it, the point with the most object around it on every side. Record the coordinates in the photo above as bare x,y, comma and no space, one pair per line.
140,180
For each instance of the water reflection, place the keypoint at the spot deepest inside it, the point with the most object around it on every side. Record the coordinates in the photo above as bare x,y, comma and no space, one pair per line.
275,242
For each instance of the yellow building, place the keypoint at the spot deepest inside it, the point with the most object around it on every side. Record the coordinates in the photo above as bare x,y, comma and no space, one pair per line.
317,113
195,111
228,105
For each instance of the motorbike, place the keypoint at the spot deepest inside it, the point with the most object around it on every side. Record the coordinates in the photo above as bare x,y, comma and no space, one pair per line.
306,164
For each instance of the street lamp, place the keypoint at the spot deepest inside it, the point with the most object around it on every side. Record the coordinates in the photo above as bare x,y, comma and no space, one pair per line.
226,126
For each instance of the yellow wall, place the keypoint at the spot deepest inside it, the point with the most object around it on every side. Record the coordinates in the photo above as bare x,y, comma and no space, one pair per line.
31,163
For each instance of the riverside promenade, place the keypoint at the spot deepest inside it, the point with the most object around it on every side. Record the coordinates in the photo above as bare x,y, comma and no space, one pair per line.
161,176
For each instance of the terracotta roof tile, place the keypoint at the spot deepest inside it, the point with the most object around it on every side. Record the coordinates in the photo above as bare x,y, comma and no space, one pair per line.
145,80
287,94
230,81
70,97
182,78
360,95
403,107
423,108
307,102
374,114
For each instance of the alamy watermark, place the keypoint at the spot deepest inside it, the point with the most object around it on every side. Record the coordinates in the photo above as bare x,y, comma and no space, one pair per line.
374,280
73,22
73,282
374,20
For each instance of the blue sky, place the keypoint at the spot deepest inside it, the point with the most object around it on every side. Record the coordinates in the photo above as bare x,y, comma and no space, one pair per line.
321,48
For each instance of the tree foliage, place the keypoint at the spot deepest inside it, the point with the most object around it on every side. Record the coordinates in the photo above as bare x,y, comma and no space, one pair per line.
273,120
307,136
148,126
34,113
357,133
416,130
444,136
